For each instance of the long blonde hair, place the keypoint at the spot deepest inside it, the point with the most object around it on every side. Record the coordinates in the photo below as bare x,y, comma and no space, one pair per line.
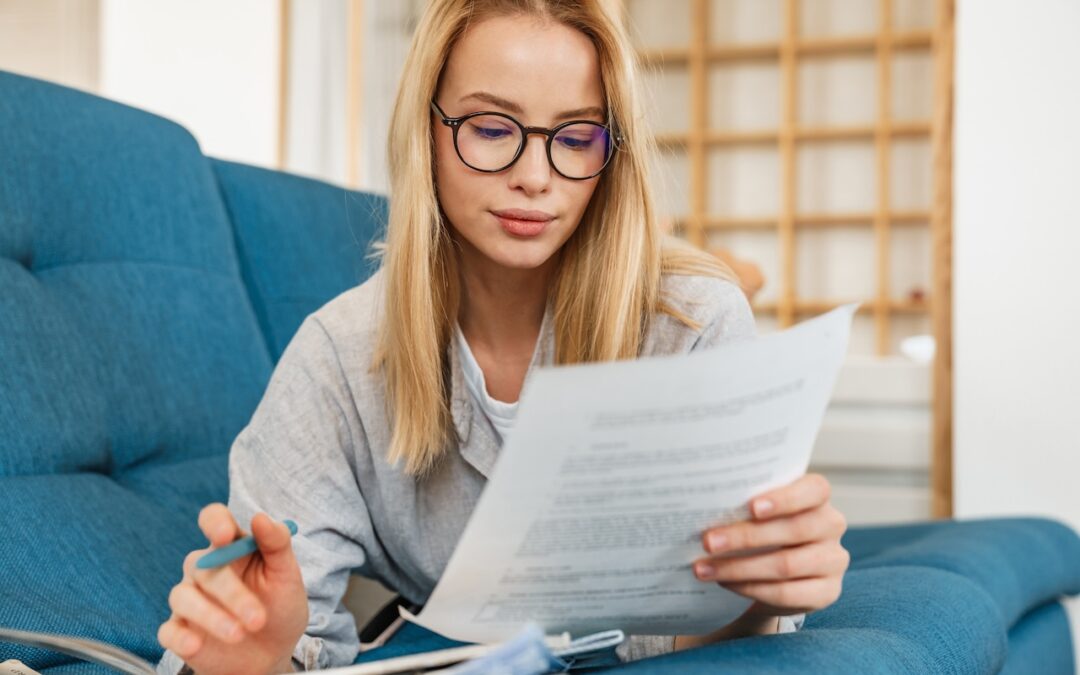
607,285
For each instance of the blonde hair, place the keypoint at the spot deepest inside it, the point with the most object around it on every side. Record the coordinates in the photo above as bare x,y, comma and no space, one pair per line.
607,285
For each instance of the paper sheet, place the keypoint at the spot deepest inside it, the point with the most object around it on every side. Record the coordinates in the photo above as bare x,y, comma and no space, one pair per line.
595,510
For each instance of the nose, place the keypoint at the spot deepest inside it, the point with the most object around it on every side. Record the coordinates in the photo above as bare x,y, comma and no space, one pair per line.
531,172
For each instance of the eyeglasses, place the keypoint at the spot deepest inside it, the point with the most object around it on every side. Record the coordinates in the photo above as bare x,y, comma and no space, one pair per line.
491,142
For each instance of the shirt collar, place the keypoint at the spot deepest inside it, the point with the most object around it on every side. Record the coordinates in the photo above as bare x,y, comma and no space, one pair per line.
475,442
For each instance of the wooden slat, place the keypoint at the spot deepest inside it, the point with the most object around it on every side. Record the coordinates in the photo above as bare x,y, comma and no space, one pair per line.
819,306
815,220
855,133
744,52
941,461
803,135
284,48
882,144
835,46
757,51
737,223
866,218
912,40
788,122
699,81
741,137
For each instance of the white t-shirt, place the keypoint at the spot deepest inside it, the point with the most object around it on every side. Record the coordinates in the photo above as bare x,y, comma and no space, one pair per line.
499,413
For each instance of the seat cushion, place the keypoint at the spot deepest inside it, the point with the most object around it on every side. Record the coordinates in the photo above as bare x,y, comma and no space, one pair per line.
1021,563
88,555
1041,643
130,358
127,334
132,351
300,242
888,620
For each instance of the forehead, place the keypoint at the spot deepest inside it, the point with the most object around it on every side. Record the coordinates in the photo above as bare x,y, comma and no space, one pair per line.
543,66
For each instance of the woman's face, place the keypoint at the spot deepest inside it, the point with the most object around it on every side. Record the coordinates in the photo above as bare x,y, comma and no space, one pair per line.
542,74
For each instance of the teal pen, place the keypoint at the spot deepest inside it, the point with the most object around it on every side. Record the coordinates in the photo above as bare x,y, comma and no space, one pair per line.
236,550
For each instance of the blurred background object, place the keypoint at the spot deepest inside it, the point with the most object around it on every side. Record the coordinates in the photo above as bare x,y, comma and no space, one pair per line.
749,274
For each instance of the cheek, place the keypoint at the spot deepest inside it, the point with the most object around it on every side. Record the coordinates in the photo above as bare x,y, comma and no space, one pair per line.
580,193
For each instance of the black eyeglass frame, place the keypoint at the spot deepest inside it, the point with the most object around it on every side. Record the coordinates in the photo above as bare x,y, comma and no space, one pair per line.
455,124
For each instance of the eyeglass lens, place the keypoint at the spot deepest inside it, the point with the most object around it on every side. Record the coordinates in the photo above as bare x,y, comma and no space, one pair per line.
491,142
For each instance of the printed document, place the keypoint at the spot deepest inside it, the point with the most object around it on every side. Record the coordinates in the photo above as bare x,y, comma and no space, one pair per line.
595,509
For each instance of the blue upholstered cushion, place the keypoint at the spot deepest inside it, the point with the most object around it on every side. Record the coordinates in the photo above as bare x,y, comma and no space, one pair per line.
888,620
132,350
1020,563
130,357
126,334
1040,642
300,242
88,555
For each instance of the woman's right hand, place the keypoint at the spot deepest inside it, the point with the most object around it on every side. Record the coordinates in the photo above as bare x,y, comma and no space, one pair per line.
245,617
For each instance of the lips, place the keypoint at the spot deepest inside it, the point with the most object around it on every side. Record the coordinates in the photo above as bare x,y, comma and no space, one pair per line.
523,223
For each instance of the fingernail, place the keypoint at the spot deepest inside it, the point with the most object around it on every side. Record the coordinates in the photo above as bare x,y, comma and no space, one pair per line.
702,570
717,542
763,507
224,531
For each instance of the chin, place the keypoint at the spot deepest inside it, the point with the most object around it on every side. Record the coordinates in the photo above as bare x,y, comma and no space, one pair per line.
521,255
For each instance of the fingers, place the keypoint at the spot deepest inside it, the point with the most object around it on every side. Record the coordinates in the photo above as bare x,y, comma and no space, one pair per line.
219,526
818,559
191,605
807,492
787,597
182,638
275,544
218,602
789,557
814,525
225,587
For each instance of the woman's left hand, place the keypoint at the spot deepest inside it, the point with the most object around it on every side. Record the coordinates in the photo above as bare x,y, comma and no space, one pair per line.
803,574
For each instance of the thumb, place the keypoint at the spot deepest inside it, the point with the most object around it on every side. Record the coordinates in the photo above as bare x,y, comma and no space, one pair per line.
275,544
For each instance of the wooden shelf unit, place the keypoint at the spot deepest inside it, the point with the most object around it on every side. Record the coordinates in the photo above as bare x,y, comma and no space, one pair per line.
788,52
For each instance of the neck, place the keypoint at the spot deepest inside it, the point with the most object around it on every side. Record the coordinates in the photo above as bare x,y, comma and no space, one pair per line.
502,308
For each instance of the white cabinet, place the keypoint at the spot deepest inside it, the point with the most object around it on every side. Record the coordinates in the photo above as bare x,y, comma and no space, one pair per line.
874,444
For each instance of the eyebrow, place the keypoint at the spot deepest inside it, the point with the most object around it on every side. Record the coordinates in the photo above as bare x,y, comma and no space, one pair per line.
577,113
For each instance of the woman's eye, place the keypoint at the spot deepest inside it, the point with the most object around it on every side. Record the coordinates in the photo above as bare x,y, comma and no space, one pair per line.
492,133
572,143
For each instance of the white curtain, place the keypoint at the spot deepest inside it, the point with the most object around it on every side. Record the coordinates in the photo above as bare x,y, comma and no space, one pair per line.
317,131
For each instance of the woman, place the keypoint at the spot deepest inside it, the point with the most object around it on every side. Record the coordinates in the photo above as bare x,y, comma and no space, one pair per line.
508,247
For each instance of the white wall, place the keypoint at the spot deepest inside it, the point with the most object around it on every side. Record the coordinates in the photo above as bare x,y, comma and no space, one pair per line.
211,66
52,40
1017,256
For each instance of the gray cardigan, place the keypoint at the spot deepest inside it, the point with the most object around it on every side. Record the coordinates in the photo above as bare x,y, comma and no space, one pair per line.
315,451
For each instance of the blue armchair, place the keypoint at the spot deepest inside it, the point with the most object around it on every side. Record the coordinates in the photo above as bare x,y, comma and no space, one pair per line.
146,292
